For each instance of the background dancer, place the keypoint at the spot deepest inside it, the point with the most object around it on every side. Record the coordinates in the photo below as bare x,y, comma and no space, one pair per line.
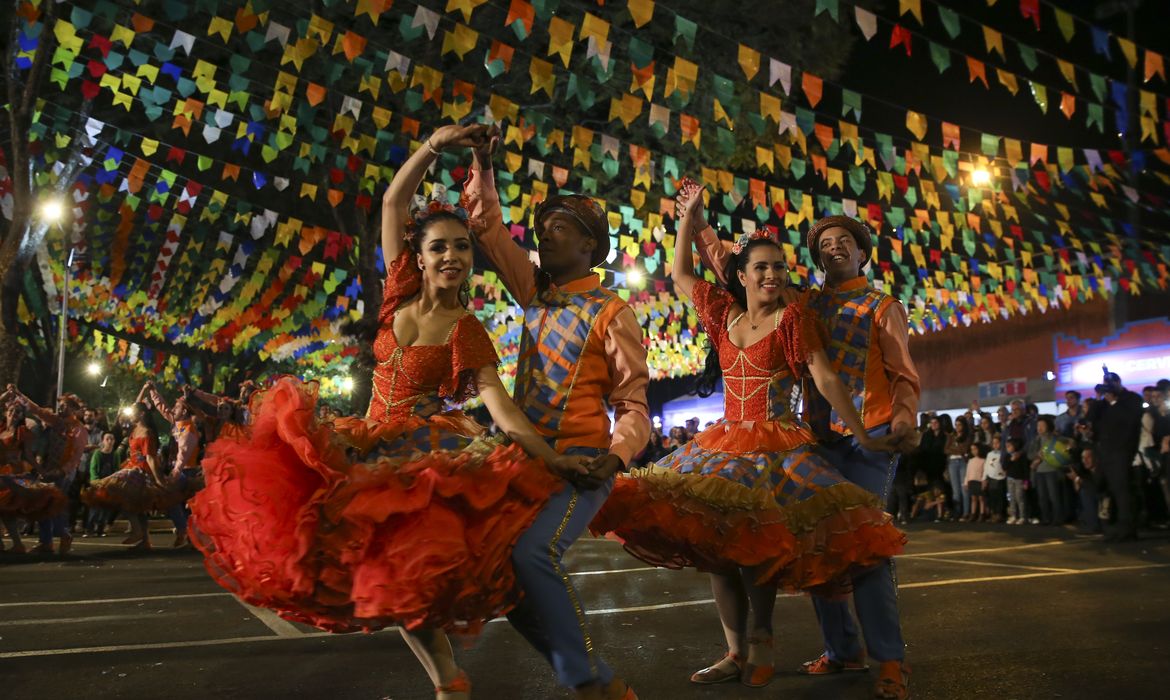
139,487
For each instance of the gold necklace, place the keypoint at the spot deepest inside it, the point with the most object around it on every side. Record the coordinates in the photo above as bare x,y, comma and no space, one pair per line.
775,321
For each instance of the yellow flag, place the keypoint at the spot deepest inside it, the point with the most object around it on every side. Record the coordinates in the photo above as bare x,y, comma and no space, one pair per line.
916,124
914,7
749,61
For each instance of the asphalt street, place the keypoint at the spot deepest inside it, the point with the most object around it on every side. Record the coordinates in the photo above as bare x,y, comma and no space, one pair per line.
989,612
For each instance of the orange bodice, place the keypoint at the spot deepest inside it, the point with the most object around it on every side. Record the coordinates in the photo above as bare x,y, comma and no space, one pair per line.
415,380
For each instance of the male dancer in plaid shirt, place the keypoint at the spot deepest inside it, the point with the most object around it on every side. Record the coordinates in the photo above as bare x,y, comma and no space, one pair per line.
581,346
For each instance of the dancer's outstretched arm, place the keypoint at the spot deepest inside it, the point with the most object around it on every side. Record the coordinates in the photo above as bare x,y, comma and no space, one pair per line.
509,258
833,389
396,200
516,425
159,403
683,272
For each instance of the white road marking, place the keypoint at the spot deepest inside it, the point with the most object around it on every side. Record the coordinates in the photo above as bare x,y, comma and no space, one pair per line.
1042,574
100,601
995,563
274,622
618,571
983,550
606,611
73,620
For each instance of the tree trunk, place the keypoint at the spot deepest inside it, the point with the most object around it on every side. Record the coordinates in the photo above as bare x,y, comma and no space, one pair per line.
11,355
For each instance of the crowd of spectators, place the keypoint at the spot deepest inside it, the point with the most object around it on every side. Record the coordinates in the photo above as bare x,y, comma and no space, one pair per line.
1100,464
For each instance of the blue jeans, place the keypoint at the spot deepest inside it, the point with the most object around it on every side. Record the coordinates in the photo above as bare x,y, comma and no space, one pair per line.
1090,498
550,616
97,519
1048,494
957,471
58,525
875,591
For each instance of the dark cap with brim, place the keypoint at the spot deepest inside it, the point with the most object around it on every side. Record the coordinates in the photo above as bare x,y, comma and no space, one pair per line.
859,231
587,213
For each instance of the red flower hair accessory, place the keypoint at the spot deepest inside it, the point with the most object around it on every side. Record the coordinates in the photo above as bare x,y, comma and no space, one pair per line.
761,234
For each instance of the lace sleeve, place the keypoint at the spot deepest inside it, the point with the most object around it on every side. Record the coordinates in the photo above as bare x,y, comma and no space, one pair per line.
471,349
403,281
801,335
712,303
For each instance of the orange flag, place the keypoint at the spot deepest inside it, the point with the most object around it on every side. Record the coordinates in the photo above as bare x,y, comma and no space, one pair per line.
976,70
812,86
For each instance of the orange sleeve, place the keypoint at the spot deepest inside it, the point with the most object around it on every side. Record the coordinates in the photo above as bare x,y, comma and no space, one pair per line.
894,341
713,253
471,350
712,304
626,357
801,336
486,220
403,281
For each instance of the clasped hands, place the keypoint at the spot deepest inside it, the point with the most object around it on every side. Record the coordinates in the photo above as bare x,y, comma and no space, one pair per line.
483,138
586,473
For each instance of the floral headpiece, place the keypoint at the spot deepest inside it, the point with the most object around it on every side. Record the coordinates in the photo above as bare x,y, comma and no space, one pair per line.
420,212
760,234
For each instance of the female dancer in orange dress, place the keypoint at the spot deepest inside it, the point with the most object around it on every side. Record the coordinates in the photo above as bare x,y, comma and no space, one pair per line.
409,515
750,500
139,486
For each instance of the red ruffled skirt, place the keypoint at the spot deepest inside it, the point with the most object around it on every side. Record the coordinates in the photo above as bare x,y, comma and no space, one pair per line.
26,498
781,508
357,525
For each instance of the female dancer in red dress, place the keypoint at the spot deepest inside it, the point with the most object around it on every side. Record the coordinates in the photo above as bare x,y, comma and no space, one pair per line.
22,497
409,515
139,486
749,499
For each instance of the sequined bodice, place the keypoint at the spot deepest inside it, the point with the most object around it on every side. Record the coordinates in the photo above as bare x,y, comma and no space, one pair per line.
407,379
757,382
140,447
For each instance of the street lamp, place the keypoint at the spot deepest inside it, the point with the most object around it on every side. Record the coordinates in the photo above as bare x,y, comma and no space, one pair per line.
980,177
93,369
52,211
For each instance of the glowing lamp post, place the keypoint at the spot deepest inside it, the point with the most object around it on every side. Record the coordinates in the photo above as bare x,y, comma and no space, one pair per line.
52,211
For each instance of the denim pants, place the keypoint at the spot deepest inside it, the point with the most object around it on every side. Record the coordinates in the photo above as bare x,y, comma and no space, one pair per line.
551,616
957,470
875,591
1048,494
1017,499
58,525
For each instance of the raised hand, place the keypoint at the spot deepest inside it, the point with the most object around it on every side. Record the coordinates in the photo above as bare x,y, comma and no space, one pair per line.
491,140
454,136
689,203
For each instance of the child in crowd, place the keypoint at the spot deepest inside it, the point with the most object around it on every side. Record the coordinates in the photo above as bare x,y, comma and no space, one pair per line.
974,479
995,480
1019,469
927,496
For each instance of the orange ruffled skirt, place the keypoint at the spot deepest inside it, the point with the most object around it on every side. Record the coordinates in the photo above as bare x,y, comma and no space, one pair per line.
132,490
357,525
26,498
751,495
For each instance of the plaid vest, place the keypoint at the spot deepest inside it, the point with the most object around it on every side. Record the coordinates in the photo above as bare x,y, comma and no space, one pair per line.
562,369
849,315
